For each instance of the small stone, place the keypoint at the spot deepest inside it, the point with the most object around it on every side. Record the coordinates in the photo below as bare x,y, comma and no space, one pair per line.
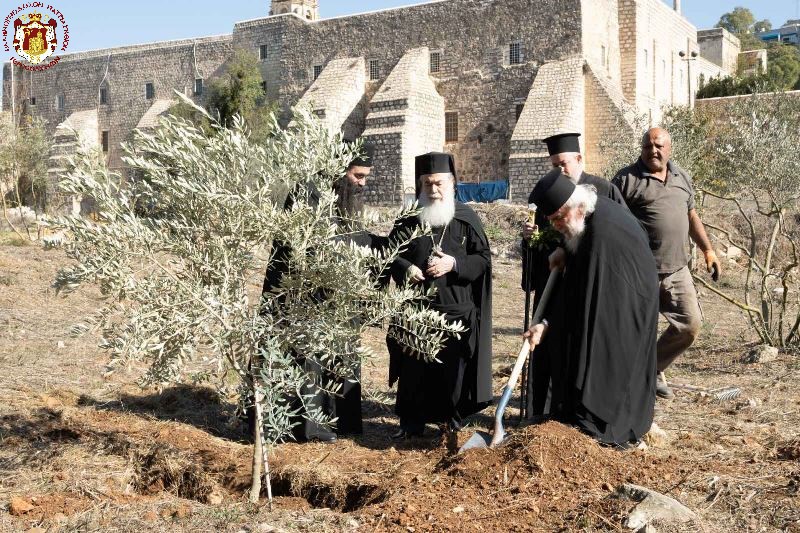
733,252
648,529
458,510
19,507
61,345
654,507
266,528
656,437
215,498
761,354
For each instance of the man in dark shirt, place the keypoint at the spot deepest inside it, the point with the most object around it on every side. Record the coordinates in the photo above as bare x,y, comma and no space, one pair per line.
661,195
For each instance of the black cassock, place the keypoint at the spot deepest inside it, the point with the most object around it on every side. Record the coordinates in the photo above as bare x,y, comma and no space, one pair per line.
603,376
461,384
346,405
535,271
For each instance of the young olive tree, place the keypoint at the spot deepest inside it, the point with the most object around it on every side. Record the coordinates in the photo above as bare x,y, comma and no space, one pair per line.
757,173
179,282
24,149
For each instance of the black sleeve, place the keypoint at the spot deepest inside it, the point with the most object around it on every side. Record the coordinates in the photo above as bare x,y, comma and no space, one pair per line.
472,265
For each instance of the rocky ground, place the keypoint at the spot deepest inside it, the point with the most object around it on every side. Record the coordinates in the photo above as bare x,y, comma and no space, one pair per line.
82,449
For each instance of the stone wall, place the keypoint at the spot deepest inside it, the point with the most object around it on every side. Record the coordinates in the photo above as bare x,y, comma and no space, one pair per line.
77,79
337,96
721,47
555,104
601,44
719,105
406,117
606,113
651,36
472,37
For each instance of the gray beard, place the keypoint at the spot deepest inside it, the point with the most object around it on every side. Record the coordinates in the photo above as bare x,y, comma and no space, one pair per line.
439,213
572,239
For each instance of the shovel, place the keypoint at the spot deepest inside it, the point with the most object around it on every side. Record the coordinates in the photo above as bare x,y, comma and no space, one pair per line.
481,439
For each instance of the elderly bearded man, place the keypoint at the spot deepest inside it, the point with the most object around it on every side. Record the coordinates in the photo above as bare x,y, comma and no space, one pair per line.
564,150
603,378
660,194
455,260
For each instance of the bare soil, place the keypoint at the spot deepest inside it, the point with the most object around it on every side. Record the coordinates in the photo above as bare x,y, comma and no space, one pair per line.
84,449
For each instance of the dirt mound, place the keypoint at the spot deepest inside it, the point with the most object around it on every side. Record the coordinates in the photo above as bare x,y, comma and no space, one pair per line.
546,477
503,225
165,457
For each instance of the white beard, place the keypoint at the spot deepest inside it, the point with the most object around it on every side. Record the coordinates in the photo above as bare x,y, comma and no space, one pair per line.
574,234
437,213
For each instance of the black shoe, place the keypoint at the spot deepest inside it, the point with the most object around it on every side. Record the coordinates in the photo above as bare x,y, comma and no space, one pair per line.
662,389
325,438
403,434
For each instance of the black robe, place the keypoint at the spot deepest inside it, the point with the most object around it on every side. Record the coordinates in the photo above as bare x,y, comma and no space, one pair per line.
535,271
346,405
461,384
603,380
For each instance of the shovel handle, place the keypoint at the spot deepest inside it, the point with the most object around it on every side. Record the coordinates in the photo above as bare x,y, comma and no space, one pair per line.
499,432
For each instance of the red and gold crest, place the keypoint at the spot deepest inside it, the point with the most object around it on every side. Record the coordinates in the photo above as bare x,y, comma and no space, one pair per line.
35,39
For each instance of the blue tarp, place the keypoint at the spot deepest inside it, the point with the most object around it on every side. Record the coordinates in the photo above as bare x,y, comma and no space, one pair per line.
487,191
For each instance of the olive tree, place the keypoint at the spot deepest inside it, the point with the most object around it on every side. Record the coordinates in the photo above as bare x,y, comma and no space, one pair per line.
179,282
757,174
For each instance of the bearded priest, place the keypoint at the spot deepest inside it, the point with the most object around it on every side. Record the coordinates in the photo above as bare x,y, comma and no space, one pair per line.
455,259
603,376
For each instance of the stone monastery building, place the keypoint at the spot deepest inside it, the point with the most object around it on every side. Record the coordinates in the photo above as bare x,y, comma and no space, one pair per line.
485,80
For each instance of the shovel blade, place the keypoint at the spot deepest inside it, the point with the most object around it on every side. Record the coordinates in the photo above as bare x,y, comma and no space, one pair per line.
479,439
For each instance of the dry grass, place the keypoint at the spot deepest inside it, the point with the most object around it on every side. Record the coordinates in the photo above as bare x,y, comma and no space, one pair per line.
99,453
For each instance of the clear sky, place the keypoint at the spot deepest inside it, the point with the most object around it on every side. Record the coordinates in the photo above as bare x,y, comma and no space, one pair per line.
101,24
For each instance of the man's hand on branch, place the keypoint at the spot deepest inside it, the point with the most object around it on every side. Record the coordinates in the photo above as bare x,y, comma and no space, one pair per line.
712,264
414,274
529,229
441,265
535,334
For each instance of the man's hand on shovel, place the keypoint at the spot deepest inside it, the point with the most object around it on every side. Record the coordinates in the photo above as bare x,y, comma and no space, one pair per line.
535,334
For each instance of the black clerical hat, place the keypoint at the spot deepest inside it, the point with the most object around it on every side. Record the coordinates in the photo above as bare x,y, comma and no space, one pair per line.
563,143
434,163
552,191
365,158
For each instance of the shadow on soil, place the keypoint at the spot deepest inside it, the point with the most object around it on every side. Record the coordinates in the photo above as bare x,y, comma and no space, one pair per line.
197,406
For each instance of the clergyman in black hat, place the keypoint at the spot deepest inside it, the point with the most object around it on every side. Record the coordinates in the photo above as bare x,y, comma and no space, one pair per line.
345,406
455,259
538,259
604,320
